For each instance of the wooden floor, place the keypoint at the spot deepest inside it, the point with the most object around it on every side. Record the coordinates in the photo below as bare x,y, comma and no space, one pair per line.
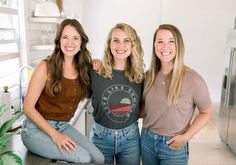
206,147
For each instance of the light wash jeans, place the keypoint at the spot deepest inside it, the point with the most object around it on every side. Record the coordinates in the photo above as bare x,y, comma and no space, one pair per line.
117,145
155,151
41,144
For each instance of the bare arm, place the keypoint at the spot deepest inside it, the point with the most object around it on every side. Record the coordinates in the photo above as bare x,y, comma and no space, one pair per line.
34,91
199,121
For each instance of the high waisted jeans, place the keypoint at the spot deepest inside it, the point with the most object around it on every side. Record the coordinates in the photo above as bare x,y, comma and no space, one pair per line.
41,144
155,151
117,145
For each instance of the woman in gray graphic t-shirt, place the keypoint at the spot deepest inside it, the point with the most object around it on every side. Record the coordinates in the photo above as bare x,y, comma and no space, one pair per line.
116,93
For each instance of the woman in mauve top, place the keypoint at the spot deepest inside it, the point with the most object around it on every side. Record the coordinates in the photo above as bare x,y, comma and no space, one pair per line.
171,93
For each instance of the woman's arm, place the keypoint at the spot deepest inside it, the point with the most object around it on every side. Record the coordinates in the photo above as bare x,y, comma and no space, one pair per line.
35,88
199,121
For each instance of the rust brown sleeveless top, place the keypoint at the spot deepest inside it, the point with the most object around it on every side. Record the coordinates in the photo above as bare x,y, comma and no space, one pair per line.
63,106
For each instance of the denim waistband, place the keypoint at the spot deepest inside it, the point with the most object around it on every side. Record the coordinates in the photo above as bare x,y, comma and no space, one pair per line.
58,125
115,131
162,138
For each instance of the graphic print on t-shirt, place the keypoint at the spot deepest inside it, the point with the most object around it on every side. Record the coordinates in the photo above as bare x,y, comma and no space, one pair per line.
118,102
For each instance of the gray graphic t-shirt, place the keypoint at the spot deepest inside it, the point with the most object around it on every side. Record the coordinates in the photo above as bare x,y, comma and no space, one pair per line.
116,101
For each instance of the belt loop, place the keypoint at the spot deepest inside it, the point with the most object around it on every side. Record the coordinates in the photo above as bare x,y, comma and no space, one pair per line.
145,131
164,139
124,132
104,132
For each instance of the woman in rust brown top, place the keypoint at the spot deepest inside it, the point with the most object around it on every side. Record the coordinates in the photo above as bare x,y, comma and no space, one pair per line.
58,84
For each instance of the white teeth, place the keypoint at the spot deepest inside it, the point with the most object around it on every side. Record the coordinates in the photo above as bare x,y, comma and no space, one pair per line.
166,53
120,51
69,49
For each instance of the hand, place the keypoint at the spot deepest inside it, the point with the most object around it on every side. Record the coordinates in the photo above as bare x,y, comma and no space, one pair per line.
64,142
177,142
96,64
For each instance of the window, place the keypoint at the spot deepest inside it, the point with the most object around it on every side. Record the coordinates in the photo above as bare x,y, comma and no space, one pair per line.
9,43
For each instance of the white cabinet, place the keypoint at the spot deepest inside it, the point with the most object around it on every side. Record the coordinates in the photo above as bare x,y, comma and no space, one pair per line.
42,31
50,20
48,27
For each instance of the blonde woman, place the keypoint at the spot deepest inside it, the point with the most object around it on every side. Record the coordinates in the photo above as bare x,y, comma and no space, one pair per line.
171,93
116,94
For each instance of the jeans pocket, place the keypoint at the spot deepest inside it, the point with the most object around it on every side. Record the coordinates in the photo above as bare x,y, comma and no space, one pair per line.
167,152
30,128
133,133
97,131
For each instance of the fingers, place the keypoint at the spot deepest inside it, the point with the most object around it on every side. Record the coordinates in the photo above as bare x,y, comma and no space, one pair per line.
96,64
170,141
176,148
68,148
176,142
60,149
173,144
67,144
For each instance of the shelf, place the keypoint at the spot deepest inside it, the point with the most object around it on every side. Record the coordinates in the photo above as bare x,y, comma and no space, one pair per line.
7,10
55,20
7,56
7,41
42,47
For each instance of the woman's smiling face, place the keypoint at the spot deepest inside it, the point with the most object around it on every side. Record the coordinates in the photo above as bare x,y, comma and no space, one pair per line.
70,41
165,46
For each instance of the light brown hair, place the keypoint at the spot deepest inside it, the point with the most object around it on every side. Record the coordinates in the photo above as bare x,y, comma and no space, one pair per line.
175,77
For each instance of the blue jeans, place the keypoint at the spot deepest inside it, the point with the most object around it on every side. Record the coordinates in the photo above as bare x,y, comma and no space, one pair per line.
117,145
155,151
41,144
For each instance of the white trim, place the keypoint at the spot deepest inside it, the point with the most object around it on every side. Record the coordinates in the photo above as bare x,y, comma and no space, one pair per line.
42,47
7,29
55,20
7,56
6,10
22,34
7,41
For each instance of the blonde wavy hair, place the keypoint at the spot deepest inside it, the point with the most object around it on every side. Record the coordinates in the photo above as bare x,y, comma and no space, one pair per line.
175,77
134,70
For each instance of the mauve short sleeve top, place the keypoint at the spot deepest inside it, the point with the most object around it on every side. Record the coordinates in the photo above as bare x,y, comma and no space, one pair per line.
168,120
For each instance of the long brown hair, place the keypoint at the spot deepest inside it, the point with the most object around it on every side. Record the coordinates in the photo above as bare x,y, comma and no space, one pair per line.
82,61
175,77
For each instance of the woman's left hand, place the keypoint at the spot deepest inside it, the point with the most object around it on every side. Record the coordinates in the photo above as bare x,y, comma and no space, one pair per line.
177,142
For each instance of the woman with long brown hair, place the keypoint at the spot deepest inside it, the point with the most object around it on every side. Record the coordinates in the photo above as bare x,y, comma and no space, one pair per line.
58,84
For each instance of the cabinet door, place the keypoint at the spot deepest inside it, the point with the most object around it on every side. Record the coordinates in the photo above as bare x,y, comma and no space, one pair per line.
232,119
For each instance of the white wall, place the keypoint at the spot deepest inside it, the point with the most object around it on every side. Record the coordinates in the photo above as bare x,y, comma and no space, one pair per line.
204,25
100,16
73,8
